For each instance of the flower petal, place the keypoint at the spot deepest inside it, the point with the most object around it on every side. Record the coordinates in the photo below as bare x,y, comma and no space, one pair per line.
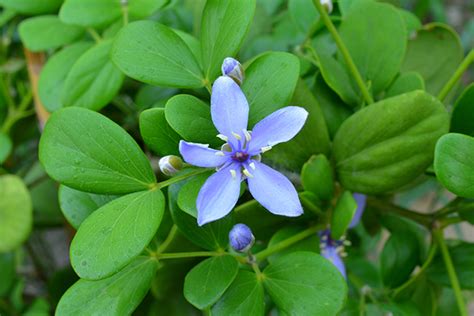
219,194
278,127
273,190
229,107
360,200
200,155
332,255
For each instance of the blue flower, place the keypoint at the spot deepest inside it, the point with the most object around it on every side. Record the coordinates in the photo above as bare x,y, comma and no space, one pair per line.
232,68
241,237
239,157
332,249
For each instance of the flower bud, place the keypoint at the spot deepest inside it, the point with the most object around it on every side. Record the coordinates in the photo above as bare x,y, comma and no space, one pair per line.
233,69
241,238
327,4
170,165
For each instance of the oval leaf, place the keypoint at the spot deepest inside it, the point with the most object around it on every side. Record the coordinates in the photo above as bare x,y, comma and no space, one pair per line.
93,80
116,233
317,177
16,213
88,152
157,133
90,13
151,52
342,215
313,287
453,163
390,143
32,7
463,113
406,82
207,281
119,294
47,32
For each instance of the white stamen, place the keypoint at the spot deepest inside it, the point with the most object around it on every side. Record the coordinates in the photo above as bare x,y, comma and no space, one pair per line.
252,165
339,248
347,242
233,173
219,153
324,237
248,137
265,148
223,137
343,254
237,136
247,173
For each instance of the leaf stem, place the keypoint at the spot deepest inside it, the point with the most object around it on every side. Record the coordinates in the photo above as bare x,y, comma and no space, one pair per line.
345,53
180,255
286,243
175,179
429,259
456,76
168,240
438,235
93,33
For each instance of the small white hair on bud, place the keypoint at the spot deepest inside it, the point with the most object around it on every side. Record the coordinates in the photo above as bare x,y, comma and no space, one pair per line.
327,4
170,165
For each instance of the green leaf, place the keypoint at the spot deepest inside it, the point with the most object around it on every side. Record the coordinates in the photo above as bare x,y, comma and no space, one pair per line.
389,143
212,236
399,257
453,164
151,52
90,13
77,205
270,81
47,32
54,73
304,283
207,281
308,244
107,161
32,7
343,213
16,213
191,118
311,140
316,177
463,113
7,272
116,233
224,25
445,54
141,9
303,13
157,133
6,147
462,255
188,194
192,42
118,294
93,80
364,32
244,297
406,82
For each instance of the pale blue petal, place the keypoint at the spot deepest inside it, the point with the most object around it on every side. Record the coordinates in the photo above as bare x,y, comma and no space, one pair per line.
274,191
218,195
200,155
278,127
229,107
360,200
332,255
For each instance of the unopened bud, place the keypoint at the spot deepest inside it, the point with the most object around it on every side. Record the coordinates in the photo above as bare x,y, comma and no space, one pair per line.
233,69
241,238
170,165
327,4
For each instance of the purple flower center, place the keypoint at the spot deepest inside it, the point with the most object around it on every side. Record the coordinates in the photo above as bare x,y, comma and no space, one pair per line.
240,156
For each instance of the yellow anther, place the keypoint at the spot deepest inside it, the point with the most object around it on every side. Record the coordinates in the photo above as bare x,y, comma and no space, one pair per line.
247,173
219,153
248,137
237,136
233,173
223,137
252,165
265,149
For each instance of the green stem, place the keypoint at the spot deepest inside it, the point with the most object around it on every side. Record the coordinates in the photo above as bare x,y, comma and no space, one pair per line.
445,222
385,207
170,181
180,255
93,33
456,76
429,259
168,240
286,243
125,13
6,93
345,53
438,234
